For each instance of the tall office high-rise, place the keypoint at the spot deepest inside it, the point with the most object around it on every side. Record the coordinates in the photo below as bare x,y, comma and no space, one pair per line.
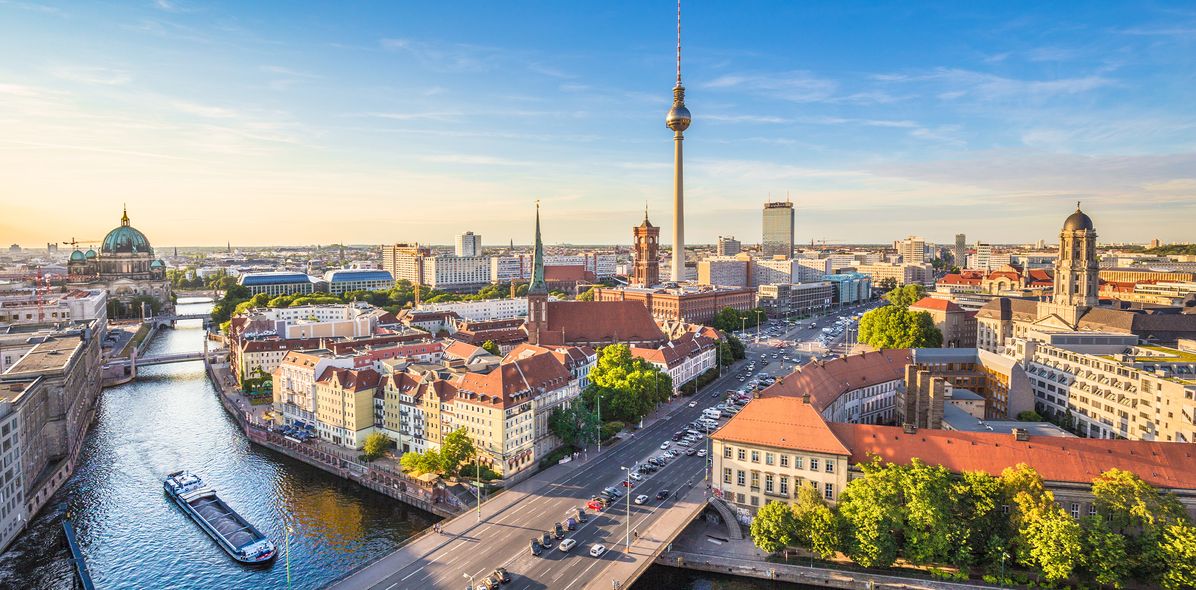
912,250
778,230
728,246
678,120
469,244
961,250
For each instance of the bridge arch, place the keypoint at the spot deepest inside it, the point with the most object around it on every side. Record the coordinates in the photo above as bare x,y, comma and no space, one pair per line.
734,531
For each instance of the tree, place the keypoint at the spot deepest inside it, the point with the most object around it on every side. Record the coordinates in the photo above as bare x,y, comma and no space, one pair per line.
425,462
456,449
892,326
492,348
727,320
906,295
871,509
1132,504
629,387
984,530
587,295
1177,551
886,284
931,528
817,525
773,527
1047,537
735,345
575,424
1106,552
375,445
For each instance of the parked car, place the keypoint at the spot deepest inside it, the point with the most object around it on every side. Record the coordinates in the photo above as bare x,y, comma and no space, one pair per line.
546,540
690,452
536,550
664,445
501,575
571,523
693,404
636,477
596,550
558,531
567,544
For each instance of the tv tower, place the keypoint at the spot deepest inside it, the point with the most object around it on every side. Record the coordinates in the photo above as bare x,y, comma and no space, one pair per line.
678,120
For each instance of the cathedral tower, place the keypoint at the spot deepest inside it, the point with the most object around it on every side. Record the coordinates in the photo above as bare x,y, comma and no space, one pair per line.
646,271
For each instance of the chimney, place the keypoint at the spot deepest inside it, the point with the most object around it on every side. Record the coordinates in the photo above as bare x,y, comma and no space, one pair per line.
805,398
1021,435
909,428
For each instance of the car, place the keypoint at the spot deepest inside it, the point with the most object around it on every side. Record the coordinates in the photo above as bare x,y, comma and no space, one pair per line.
715,394
546,540
690,452
489,583
636,477
596,550
581,515
616,491
571,523
662,494
567,544
605,495
664,445
536,549
640,499
627,483
701,452
595,505
693,404
558,531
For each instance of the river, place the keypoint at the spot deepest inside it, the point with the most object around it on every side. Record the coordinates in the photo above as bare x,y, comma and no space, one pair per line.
133,537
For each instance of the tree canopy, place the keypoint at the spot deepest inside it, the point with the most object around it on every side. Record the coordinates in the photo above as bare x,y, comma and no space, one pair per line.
892,326
629,387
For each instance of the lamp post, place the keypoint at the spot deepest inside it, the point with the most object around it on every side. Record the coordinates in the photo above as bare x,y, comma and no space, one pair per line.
627,540
477,482
758,312
598,426
470,576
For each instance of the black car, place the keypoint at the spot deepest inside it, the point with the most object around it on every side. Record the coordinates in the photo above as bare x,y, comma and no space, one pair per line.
536,550
546,540
662,494
558,531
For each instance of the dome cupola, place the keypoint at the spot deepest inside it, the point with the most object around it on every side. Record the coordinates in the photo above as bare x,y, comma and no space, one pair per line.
126,240
1078,220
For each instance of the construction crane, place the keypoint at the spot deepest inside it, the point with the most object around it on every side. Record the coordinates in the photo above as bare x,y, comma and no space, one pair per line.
75,243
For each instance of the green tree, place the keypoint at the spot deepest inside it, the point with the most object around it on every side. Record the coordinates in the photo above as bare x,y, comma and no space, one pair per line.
906,295
871,509
576,424
587,295
492,348
886,284
375,445
417,463
456,449
931,528
1177,551
817,525
735,346
727,320
629,387
1132,504
984,529
1054,542
773,527
1105,552
892,326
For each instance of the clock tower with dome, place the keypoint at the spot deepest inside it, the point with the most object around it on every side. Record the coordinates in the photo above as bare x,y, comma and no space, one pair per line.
125,266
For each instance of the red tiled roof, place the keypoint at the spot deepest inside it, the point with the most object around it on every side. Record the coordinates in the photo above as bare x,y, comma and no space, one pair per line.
1075,460
350,379
529,375
936,304
826,381
562,273
599,321
781,422
965,278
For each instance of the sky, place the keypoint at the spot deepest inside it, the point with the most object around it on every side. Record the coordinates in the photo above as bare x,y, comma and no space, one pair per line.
298,123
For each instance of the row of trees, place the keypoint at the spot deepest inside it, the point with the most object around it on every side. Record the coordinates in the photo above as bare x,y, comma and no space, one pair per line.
895,326
926,515
732,320
624,387
455,451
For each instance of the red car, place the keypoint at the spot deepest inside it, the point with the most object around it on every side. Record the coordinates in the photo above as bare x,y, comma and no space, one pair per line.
595,506
628,484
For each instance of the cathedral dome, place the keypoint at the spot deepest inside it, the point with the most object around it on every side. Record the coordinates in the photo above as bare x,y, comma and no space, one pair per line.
126,240
77,256
158,264
1078,221
90,254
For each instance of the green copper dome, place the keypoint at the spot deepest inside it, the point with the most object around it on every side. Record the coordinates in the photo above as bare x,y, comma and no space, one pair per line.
90,254
76,256
126,240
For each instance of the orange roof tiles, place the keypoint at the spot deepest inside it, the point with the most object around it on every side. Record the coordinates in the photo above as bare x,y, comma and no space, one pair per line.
936,304
826,381
783,423
599,321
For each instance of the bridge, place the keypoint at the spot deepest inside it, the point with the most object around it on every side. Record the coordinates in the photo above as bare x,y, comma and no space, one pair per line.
170,319
162,359
499,533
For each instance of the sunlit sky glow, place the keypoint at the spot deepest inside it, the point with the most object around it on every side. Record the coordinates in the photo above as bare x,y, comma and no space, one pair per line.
295,123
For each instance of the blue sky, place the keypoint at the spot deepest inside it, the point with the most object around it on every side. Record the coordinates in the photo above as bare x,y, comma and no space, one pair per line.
294,123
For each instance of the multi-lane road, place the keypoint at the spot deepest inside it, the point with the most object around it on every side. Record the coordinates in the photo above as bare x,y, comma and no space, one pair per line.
469,551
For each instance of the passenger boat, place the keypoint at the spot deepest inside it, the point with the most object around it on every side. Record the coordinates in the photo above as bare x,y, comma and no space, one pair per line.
237,537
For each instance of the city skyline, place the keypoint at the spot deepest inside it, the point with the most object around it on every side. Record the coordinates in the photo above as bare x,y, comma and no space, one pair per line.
986,124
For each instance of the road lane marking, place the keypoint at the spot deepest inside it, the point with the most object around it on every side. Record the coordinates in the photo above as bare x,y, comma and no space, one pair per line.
409,575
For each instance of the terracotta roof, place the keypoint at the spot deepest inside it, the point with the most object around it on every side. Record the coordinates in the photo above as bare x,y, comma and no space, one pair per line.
599,321
826,381
270,345
500,336
478,326
350,379
676,351
528,376
783,423
1075,460
936,304
562,273
463,350
964,278
570,356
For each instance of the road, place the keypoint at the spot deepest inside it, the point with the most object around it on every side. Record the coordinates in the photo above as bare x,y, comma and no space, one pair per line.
503,539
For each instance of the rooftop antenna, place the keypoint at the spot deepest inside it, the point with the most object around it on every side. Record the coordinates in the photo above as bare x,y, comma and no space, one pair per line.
678,43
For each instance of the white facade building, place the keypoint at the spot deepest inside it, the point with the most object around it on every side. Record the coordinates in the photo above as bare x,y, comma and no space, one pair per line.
469,244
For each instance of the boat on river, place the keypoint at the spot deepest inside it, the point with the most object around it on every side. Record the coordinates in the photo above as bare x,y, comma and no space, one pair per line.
233,533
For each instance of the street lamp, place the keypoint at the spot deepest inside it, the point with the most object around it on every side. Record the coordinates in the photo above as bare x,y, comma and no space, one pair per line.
758,312
627,541
470,576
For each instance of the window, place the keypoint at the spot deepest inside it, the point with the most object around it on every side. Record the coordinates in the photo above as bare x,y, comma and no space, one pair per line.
742,455
1075,510
813,464
755,500
755,480
784,460
1092,509
769,459
784,485
829,491
768,483
739,477
727,452
830,466
797,462
727,475
755,456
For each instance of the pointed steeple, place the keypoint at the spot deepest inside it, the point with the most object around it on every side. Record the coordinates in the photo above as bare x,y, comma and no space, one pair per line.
537,285
124,216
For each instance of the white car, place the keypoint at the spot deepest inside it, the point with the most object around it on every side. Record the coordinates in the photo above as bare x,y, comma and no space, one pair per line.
694,403
566,545
702,452
636,477
664,445
640,499
597,550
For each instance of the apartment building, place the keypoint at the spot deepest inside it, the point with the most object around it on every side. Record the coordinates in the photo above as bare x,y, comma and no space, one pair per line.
957,324
725,271
903,274
405,262
345,405
456,273
683,359
799,299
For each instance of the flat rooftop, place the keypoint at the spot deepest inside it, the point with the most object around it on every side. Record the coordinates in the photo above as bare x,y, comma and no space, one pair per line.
11,390
962,421
52,354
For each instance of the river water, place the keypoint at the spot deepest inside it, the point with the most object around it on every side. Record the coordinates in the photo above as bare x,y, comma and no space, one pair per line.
134,537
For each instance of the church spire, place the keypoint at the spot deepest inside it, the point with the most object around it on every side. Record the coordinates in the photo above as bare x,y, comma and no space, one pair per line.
124,216
537,285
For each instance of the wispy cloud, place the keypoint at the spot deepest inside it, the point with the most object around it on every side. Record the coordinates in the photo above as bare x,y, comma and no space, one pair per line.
445,57
480,160
415,116
203,110
796,86
955,83
91,75
745,118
